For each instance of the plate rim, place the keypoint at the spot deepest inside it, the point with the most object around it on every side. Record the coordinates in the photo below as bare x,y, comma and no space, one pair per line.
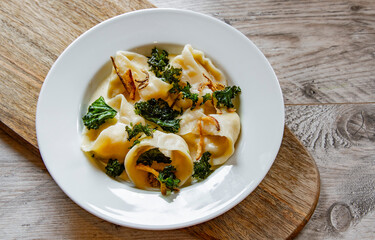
234,201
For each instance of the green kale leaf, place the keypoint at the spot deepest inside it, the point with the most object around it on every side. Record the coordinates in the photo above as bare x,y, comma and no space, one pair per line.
139,128
135,143
176,88
114,168
171,75
168,177
159,112
151,155
224,97
97,114
159,65
158,61
206,97
202,168
187,94
172,125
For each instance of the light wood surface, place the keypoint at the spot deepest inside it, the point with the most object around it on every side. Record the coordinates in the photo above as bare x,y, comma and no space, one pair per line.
323,54
279,208
33,34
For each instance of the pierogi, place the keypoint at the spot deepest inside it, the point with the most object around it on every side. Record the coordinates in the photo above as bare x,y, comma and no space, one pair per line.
162,121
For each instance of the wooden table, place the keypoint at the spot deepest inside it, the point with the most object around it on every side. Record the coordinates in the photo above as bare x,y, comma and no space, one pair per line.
323,53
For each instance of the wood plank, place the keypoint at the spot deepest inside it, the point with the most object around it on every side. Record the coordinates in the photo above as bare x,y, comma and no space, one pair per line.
339,69
316,42
278,208
33,34
321,51
34,207
341,140
346,169
283,196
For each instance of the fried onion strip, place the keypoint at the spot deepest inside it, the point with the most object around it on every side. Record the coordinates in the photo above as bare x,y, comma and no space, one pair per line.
219,86
129,83
126,80
212,120
218,111
143,83
147,169
163,187
211,85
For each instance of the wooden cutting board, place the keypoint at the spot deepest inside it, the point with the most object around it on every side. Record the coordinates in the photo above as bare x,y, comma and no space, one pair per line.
279,207
33,34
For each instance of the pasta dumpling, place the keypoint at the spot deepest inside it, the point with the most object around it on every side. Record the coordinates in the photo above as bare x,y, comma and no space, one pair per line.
196,68
147,84
215,133
172,146
162,121
107,143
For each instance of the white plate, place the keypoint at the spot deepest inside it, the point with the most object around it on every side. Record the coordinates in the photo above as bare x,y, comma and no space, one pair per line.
63,101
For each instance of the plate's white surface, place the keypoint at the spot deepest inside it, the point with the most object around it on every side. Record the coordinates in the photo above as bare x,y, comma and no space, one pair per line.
63,101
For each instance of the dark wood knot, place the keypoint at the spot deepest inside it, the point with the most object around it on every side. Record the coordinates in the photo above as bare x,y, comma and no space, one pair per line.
356,8
309,90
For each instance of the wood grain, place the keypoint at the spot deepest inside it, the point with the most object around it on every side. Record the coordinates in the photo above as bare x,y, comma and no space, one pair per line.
34,207
341,139
279,207
33,34
321,51
283,196
323,55
346,169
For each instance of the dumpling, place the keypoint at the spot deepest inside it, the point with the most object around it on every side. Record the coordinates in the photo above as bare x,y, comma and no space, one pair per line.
170,145
154,159
125,110
196,68
110,140
147,84
214,133
107,142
